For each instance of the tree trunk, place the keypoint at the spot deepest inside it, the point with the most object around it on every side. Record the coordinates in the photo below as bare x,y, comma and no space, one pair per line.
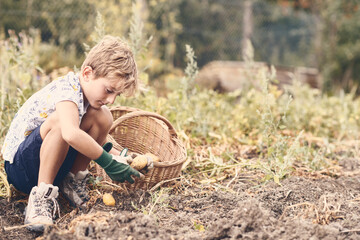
247,29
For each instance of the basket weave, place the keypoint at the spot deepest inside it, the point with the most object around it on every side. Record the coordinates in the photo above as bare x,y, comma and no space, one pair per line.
142,132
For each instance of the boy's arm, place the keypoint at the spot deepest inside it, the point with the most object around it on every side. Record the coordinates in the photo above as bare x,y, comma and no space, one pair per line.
77,138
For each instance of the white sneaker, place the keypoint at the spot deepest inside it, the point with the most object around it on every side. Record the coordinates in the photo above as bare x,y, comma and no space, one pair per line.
42,206
74,189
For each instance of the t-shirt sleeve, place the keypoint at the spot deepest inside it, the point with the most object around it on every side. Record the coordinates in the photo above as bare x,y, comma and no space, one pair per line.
65,92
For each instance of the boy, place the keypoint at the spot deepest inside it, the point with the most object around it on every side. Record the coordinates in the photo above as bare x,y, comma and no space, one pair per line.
59,129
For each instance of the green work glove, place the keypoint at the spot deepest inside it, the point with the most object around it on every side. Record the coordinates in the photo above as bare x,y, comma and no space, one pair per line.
117,171
108,146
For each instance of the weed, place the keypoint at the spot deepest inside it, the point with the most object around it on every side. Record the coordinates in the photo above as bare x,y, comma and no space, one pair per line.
18,79
158,199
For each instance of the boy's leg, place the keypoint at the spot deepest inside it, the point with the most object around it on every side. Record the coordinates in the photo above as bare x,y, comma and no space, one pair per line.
53,149
97,124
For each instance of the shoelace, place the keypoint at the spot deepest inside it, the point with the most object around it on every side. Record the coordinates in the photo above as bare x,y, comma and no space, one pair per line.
56,207
80,188
44,211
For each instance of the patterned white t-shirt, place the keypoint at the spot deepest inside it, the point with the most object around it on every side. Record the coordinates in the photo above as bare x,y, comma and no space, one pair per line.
38,107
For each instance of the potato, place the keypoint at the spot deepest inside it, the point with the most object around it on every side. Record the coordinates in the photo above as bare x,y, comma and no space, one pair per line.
139,162
108,199
153,157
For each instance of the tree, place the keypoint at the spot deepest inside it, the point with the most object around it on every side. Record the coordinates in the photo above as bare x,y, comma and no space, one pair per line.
337,41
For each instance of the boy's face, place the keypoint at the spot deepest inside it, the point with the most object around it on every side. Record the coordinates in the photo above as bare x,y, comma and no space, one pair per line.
100,91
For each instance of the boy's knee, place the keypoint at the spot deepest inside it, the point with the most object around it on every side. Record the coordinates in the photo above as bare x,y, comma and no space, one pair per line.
106,118
101,117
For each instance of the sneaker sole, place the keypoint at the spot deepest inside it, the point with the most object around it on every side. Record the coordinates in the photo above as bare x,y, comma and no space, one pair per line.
35,227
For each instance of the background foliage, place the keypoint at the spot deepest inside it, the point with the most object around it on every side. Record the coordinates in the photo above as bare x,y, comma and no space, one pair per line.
321,33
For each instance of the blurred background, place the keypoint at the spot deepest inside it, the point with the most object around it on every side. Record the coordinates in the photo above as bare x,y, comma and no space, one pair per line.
320,36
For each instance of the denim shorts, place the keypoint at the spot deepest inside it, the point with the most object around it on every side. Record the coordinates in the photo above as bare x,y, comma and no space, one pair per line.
23,173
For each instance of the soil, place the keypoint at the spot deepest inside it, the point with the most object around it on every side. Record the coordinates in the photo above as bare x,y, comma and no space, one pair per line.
302,207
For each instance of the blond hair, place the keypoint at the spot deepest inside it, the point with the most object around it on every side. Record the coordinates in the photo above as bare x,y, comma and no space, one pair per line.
112,58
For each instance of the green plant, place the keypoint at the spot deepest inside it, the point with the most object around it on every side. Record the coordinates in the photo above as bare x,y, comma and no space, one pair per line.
20,74
19,79
279,151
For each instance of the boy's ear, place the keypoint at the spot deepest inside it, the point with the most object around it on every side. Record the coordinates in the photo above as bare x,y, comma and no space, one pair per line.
87,72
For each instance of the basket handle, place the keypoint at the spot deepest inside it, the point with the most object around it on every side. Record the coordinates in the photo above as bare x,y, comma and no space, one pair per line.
146,114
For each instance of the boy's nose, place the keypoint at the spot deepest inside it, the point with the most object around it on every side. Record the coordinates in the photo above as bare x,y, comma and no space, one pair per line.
111,99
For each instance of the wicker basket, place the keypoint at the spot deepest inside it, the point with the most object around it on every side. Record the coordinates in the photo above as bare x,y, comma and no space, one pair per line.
141,132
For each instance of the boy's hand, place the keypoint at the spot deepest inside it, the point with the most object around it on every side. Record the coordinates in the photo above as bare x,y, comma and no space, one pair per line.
122,159
117,171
